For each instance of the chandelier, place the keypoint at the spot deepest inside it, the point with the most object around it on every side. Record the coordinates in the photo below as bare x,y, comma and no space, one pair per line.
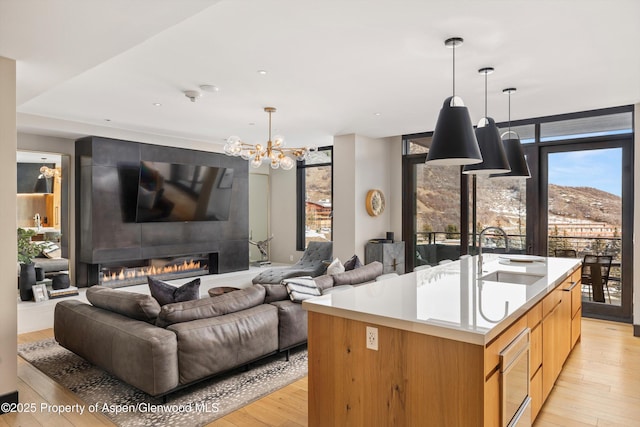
274,152
48,172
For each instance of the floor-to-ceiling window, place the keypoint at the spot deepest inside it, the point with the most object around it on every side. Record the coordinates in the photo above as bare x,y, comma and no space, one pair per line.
579,197
315,198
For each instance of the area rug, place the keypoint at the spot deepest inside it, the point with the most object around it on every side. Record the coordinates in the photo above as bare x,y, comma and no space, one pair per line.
196,405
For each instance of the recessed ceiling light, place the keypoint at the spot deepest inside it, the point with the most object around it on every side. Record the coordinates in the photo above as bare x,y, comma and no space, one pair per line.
157,104
107,120
252,124
209,88
377,114
262,72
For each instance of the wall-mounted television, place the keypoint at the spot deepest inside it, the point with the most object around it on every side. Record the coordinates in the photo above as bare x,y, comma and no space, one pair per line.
172,192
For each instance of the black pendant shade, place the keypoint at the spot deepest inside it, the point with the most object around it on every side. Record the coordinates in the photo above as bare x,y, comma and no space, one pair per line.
494,159
515,155
454,141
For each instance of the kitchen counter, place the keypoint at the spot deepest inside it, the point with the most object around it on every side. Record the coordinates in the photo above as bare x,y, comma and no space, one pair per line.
450,301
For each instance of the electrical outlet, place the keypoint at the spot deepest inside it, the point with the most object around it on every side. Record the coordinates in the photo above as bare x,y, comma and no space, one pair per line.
290,257
372,338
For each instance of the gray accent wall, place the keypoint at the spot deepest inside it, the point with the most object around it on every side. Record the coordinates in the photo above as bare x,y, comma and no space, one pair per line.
106,231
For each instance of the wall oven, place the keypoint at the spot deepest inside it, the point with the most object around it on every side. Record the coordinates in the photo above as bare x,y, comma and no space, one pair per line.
514,382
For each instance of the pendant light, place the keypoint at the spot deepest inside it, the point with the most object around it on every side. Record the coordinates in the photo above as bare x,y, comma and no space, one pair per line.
494,159
513,149
454,141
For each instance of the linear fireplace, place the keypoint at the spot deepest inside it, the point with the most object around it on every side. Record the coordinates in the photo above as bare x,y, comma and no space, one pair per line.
115,275
112,243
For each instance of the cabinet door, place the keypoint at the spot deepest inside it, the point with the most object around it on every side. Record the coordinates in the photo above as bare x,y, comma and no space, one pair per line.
549,358
535,350
535,390
564,330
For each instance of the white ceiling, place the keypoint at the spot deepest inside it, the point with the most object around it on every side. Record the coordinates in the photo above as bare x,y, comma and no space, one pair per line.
332,65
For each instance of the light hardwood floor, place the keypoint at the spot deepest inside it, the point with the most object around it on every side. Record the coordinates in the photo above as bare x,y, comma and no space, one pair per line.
599,386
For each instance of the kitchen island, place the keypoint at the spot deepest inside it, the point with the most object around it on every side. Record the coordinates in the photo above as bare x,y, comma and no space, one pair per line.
439,334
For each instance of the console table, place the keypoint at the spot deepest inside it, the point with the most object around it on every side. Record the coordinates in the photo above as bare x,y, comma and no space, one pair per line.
391,255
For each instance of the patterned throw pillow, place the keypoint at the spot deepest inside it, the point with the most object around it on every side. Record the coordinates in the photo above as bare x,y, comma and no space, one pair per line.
352,263
301,288
335,267
165,293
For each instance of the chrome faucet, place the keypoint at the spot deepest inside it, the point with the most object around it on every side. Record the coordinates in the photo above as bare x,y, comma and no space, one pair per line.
506,245
36,219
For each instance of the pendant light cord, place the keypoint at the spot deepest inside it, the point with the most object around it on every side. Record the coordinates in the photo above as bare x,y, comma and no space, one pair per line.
454,70
509,112
485,93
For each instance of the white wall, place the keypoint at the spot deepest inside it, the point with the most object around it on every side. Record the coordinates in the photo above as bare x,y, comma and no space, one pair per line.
344,195
8,250
283,216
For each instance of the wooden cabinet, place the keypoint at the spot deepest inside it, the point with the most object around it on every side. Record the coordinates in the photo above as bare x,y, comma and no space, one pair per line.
550,326
576,307
559,330
437,381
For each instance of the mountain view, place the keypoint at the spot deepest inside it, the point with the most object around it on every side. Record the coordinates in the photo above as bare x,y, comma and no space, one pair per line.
573,211
581,212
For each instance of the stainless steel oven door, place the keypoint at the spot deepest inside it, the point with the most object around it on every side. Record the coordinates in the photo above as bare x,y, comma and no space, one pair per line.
514,377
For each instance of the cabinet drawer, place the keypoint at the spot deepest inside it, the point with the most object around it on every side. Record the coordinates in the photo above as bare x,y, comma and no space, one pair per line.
534,316
492,351
550,301
576,275
576,298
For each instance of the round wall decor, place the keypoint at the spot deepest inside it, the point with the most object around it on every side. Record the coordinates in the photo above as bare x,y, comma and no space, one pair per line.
374,202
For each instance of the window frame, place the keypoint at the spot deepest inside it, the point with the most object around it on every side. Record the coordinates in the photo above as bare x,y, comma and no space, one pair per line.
301,188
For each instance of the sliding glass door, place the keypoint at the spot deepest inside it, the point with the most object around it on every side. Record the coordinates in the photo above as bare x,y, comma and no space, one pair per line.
588,214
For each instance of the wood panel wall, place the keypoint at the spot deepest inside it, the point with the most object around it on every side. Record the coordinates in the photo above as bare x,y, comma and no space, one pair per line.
413,379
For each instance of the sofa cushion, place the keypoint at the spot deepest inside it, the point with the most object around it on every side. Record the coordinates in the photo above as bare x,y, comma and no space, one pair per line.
363,274
292,324
301,288
165,293
276,292
230,302
352,263
130,304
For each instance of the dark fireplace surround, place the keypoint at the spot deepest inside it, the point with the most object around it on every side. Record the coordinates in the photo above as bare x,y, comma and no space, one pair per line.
108,240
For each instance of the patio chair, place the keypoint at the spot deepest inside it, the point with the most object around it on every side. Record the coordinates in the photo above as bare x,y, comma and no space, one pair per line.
565,253
595,275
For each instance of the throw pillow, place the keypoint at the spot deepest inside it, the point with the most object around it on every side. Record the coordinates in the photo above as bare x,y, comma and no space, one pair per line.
165,293
301,288
352,263
335,267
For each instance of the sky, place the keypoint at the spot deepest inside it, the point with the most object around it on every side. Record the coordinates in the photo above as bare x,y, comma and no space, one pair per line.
601,169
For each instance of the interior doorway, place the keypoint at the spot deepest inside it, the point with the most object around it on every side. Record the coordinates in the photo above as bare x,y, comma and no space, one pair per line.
43,198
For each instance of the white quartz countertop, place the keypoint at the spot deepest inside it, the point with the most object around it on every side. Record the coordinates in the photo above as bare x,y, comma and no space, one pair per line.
449,300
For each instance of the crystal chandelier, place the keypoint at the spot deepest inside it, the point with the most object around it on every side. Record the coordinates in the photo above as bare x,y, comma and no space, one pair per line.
274,152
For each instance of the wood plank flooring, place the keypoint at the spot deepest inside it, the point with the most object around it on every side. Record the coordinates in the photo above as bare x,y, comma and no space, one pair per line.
599,386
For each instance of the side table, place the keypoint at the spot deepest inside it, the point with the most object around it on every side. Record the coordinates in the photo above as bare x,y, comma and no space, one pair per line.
391,255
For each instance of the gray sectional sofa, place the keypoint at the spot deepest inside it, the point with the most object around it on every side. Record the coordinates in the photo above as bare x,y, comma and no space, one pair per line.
162,349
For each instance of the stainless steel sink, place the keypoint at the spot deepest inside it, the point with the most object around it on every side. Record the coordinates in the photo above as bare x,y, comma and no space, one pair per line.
512,277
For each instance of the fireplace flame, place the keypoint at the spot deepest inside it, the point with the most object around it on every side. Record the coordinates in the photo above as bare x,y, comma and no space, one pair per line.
152,271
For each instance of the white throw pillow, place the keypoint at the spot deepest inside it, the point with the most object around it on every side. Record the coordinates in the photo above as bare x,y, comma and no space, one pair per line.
335,267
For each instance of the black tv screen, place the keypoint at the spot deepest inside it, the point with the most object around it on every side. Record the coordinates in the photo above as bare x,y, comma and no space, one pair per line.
170,192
